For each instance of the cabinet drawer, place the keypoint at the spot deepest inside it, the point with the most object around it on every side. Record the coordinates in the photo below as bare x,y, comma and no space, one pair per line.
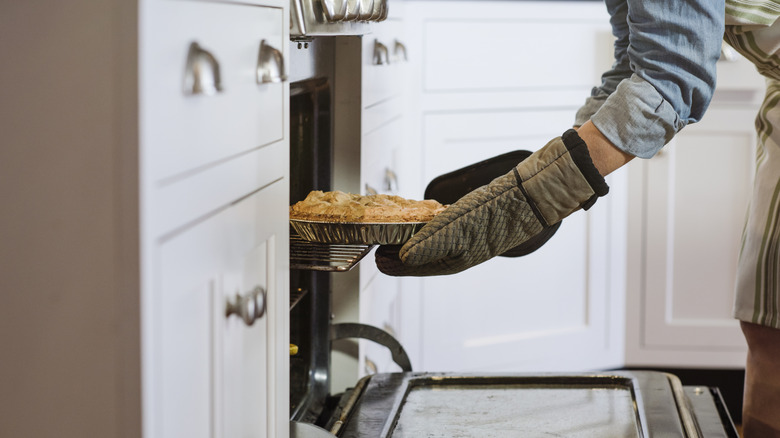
503,54
183,132
377,157
272,3
183,200
385,80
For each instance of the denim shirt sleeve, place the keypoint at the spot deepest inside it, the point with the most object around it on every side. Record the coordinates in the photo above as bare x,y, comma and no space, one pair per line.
664,72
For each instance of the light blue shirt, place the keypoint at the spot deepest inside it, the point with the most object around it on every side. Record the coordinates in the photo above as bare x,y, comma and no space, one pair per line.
664,72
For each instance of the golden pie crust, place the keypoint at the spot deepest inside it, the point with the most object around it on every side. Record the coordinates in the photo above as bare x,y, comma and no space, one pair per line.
337,206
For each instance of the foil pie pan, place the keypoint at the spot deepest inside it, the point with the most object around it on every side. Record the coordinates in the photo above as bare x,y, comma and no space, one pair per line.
356,233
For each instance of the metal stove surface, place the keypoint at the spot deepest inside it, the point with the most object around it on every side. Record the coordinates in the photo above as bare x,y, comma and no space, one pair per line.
617,404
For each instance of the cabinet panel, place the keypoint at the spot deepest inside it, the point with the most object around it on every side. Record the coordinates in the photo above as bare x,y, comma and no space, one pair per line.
379,307
546,311
182,132
217,186
456,140
384,65
500,53
697,196
223,376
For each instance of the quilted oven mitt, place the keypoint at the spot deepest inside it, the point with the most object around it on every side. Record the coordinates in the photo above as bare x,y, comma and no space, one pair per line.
552,183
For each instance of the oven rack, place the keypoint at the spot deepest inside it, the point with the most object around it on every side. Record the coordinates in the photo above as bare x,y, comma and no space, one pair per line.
313,256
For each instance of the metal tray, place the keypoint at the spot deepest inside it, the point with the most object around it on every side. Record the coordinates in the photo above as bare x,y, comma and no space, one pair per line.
356,233
617,404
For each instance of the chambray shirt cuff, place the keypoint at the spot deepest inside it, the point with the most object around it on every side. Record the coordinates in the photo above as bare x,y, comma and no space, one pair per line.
637,119
591,106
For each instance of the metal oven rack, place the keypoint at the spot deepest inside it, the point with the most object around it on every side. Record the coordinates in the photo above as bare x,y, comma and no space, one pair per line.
314,256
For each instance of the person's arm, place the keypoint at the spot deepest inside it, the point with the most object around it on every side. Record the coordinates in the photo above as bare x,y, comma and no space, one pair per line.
605,155
671,50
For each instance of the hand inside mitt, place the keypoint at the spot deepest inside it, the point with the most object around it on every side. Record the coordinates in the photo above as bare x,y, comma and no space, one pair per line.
552,183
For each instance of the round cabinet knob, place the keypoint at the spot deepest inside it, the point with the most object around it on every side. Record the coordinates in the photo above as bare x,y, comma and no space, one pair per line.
249,307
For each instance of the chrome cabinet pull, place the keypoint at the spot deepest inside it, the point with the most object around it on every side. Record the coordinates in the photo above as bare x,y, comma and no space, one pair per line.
391,181
399,51
370,190
202,72
270,64
381,54
249,307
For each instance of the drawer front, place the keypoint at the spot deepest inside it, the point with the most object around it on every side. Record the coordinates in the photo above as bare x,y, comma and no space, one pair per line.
272,3
377,160
182,201
183,133
385,64
501,55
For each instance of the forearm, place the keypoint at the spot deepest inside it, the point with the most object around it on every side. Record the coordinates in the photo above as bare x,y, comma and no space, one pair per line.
605,155
670,76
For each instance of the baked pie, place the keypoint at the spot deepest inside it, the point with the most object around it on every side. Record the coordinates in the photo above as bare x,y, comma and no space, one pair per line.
337,206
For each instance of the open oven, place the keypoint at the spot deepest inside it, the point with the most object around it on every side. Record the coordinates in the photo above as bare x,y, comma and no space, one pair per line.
426,404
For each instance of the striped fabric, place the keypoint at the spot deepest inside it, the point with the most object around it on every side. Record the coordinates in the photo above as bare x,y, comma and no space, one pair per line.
753,30
752,12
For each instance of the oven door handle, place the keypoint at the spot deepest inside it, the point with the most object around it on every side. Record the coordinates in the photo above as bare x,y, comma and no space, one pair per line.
364,331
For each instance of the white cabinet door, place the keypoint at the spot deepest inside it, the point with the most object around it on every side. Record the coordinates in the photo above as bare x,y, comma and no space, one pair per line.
219,376
546,311
694,203
379,307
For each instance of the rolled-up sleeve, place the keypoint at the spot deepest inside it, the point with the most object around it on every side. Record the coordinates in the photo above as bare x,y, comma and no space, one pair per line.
664,72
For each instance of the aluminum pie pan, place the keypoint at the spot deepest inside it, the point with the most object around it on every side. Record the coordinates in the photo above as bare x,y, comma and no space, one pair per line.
356,233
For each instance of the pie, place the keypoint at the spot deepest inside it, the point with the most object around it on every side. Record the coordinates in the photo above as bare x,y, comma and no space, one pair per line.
337,206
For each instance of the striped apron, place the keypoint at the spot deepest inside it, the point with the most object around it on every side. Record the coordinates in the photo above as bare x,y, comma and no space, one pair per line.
753,30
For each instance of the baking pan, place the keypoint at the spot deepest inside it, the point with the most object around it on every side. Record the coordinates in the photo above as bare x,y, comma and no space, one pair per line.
356,233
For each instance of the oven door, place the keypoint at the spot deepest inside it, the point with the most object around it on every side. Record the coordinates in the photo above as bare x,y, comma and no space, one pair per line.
615,404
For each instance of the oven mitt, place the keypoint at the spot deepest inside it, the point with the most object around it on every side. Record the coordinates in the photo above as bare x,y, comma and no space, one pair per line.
552,183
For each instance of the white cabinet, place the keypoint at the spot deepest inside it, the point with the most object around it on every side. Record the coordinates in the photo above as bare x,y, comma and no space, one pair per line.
687,208
646,277
483,88
214,178
219,372
140,209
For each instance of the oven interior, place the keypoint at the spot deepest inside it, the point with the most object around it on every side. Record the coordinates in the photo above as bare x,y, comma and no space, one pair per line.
409,404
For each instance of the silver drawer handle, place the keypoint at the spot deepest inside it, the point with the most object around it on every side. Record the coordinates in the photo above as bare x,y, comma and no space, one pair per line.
249,307
202,72
370,190
270,64
391,181
381,54
399,51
